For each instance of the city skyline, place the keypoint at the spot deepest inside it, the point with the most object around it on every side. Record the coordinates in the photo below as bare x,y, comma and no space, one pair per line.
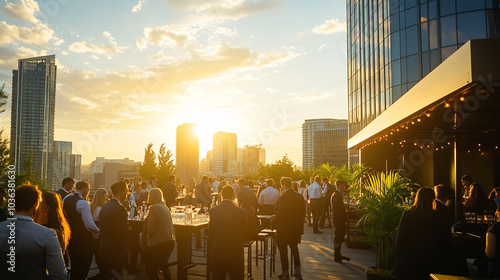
240,66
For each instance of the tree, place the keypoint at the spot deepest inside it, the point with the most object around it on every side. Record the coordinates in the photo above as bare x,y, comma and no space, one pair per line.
281,168
148,167
165,165
3,99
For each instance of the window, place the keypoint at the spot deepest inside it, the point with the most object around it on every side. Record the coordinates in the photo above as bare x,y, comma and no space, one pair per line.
402,38
433,34
396,73
424,16
402,19
424,32
435,58
395,50
411,3
425,64
471,26
394,23
413,68
469,5
448,31
447,7
433,9
396,93
403,71
446,52
411,40
411,16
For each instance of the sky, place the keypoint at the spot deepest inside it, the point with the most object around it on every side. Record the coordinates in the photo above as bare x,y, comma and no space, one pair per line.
130,73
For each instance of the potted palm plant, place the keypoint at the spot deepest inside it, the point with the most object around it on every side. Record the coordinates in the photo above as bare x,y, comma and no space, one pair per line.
382,202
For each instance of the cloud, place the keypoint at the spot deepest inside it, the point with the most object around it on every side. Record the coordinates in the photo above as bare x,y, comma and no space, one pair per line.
108,50
138,7
330,26
24,11
313,97
39,35
168,36
142,44
160,55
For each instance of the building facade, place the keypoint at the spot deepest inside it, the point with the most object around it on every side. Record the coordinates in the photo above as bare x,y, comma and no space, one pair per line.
308,129
330,146
250,158
392,45
61,162
32,114
187,152
224,153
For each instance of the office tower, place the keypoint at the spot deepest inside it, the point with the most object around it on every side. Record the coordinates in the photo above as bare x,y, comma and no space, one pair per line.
32,116
308,128
61,162
250,158
75,165
187,152
224,153
330,146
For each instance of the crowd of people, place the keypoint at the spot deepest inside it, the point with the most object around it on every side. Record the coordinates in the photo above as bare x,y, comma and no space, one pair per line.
63,231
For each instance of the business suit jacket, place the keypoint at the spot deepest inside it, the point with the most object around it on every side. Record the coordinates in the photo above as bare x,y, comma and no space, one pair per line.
339,215
248,201
203,194
228,230
37,252
113,222
169,193
289,218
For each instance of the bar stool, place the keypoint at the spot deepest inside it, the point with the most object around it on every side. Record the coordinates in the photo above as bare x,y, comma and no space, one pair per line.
248,245
262,238
272,234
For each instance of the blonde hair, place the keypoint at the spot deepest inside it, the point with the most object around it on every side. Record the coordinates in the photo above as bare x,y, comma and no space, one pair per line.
155,196
98,200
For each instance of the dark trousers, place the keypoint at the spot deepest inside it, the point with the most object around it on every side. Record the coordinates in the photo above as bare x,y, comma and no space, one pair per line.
157,259
221,269
283,248
316,207
340,230
325,213
110,270
80,253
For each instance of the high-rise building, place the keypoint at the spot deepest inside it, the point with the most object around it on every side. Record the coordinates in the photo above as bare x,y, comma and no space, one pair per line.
187,152
250,158
423,91
308,128
75,165
117,168
61,162
32,115
330,146
224,153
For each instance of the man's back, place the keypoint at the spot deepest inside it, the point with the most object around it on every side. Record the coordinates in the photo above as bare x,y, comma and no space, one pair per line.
169,194
247,198
289,219
79,232
269,196
203,195
37,251
114,229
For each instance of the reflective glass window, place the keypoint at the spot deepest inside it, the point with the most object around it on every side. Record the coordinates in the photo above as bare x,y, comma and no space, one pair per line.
396,72
412,68
396,93
471,26
433,34
424,16
403,71
411,16
448,31
469,5
424,34
425,64
394,23
402,37
394,6
402,19
411,3
435,58
411,40
433,9
395,50
446,52
447,7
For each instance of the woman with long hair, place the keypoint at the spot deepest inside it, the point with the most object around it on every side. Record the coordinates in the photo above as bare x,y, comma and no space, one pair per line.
303,189
157,240
417,238
100,197
50,214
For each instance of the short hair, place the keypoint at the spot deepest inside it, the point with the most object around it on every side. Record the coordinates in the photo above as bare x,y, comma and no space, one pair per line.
317,179
467,178
340,182
155,196
286,181
204,178
27,196
227,192
325,179
261,178
441,192
270,182
81,185
118,187
242,182
171,177
67,180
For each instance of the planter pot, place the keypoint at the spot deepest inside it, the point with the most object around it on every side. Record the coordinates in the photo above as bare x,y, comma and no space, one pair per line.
378,274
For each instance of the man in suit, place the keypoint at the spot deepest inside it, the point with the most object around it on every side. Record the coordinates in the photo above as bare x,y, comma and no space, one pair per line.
328,190
67,186
289,224
339,217
170,191
227,228
202,193
112,255
444,212
82,226
248,201
36,254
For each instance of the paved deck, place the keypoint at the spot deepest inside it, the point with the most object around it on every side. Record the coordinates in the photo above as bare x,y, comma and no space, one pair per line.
316,252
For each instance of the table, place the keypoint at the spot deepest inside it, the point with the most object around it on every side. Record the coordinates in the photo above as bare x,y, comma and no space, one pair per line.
183,236
355,237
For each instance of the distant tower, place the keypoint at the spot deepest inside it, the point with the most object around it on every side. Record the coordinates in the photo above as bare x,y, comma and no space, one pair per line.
224,153
187,152
32,116
308,129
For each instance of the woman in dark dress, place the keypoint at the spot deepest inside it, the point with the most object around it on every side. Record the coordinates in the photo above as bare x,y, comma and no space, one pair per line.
417,238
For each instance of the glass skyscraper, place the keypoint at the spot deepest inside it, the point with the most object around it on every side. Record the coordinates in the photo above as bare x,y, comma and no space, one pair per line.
32,116
393,44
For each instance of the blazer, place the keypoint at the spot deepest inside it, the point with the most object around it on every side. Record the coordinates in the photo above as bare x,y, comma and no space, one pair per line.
113,221
248,201
339,216
169,193
228,231
38,254
203,194
289,218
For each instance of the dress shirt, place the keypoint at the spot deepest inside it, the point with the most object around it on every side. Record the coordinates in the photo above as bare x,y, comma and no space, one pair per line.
83,207
64,190
215,186
315,191
441,201
95,218
269,196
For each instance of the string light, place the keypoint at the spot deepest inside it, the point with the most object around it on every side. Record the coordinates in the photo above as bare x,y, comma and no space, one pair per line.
447,105
462,98
428,115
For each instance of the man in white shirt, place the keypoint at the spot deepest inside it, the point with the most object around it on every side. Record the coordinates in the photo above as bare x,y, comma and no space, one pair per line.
82,226
215,185
268,199
29,250
315,193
